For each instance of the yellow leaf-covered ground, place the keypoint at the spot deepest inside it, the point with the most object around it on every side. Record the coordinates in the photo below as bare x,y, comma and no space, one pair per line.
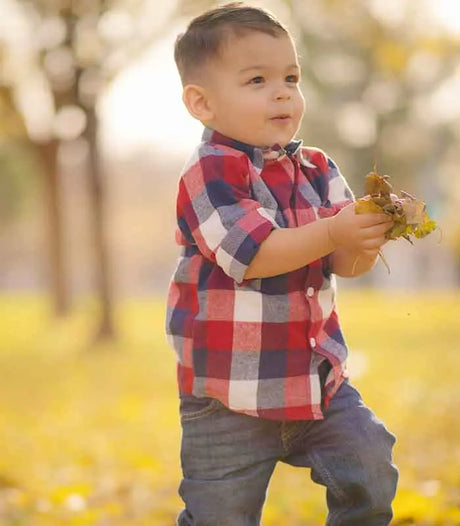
91,436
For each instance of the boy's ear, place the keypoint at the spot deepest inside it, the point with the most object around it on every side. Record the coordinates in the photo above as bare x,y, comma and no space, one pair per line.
196,101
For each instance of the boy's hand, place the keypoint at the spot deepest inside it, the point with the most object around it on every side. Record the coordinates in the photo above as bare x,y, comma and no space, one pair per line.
359,232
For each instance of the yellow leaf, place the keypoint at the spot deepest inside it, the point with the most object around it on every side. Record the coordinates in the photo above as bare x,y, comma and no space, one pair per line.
425,227
367,206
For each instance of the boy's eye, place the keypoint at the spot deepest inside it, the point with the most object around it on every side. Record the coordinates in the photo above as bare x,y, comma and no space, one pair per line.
256,80
292,78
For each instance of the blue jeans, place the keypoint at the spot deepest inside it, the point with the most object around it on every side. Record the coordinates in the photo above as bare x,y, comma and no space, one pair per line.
228,459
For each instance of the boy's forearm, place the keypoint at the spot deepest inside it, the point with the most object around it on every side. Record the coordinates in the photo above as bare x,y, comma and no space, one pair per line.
350,264
288,249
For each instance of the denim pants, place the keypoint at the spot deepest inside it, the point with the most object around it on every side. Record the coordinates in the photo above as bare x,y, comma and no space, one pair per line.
228,459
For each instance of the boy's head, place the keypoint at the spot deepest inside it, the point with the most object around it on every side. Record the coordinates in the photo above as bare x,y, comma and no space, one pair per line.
240,73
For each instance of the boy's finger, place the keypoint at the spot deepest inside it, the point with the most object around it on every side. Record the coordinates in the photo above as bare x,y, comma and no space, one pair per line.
369,220
376,231
373,243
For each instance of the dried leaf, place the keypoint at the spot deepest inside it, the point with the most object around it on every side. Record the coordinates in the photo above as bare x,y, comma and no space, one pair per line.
414,210
425,227
409,213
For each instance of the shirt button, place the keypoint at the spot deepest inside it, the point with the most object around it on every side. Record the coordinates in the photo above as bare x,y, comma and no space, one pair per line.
310,291
312,343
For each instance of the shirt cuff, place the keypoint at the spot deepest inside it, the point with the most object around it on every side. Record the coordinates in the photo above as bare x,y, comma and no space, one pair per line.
329,211
242,242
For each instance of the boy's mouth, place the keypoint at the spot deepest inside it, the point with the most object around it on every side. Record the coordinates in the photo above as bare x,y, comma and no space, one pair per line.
281,117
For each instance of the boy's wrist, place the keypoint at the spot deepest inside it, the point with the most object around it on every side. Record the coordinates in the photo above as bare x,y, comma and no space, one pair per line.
330,225
350,263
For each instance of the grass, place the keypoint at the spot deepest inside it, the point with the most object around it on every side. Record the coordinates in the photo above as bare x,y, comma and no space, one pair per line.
90,436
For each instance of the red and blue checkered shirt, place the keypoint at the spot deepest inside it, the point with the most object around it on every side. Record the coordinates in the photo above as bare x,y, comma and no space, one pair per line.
256,344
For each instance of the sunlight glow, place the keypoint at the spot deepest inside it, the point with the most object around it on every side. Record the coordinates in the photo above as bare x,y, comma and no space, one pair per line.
144,106
447,13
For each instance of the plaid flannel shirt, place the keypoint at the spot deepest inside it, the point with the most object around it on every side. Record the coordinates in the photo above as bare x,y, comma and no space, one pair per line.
256,344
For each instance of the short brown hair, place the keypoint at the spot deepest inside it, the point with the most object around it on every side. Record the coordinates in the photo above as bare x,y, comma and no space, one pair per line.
206,33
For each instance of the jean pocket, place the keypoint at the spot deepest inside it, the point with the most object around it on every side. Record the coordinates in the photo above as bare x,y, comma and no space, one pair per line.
192,407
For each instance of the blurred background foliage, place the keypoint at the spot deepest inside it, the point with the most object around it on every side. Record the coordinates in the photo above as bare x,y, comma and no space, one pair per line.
87,193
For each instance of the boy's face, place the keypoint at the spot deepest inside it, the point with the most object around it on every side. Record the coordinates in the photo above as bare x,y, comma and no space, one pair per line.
253,90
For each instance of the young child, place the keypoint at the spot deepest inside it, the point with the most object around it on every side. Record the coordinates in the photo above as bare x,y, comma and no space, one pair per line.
264,224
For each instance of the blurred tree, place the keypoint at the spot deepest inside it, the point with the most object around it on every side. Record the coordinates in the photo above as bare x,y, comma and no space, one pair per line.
71,56
74,48
15,136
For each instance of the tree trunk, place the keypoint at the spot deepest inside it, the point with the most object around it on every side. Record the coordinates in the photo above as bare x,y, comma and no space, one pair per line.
57,267
106,329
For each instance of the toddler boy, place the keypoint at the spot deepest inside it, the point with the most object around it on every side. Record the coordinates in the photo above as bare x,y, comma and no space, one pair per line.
265,224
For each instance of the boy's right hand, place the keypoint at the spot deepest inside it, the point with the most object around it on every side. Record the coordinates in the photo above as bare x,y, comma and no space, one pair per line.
359,232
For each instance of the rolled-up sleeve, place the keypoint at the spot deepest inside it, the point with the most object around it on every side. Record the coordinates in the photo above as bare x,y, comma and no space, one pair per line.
216,212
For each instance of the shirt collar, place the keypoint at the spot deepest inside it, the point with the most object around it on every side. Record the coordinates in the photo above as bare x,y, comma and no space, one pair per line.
256,154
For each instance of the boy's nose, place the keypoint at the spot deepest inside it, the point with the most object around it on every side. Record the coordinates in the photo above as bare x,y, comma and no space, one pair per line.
282,93
283,96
